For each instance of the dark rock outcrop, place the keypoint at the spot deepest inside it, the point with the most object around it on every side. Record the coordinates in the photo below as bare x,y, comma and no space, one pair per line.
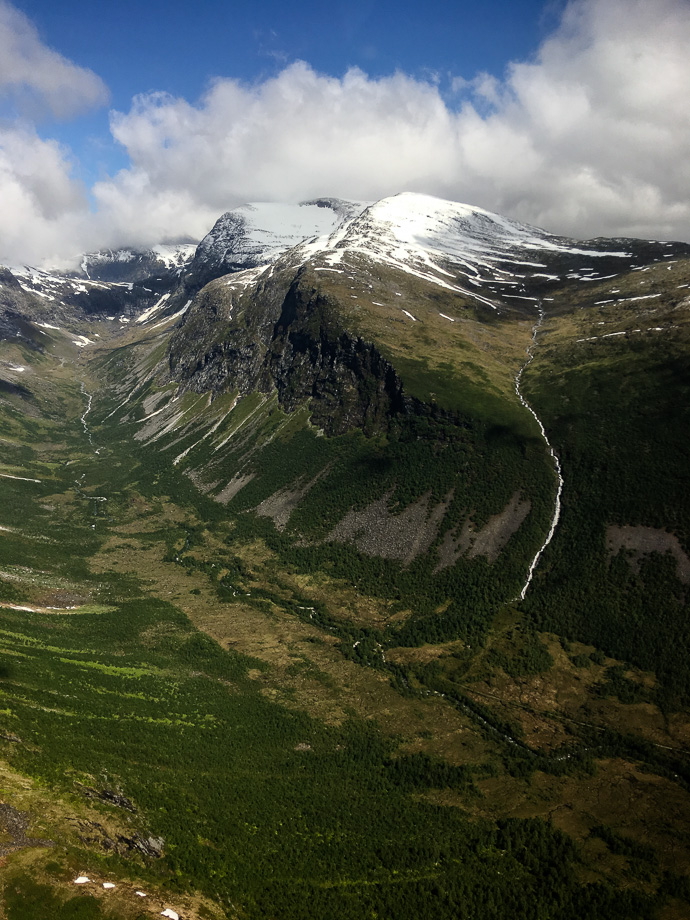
108,796
94,834
291,341
347,380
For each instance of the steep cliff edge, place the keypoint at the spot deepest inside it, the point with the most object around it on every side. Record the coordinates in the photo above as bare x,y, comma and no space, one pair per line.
288,339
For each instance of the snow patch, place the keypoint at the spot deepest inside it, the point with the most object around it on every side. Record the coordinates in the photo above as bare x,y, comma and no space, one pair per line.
173,318
151,310
425,237
643,297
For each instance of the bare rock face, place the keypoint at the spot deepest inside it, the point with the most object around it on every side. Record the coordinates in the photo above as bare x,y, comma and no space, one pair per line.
8,281
290,341
224,249
133,265
257,234
13,827
108,796
222,343
94,834
349,383
641,541
16,310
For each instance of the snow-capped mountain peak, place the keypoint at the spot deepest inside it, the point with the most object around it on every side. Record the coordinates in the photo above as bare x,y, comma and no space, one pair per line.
456,246
259,232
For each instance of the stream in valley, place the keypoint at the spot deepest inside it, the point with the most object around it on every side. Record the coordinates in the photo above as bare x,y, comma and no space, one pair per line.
554,456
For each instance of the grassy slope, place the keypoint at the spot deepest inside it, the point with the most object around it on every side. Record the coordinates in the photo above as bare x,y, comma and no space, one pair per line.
617,410
480,451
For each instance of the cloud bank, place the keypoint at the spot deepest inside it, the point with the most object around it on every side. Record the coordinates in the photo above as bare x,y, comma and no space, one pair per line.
38,79
41,209
591,137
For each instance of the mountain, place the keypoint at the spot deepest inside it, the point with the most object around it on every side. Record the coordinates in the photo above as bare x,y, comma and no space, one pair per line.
76,297
126,265
256,234
452,257
343,572
130,282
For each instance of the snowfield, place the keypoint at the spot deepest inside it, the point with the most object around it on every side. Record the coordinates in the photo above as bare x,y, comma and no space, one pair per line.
446,243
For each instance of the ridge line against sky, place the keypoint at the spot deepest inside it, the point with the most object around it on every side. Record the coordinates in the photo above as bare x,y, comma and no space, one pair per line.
578,122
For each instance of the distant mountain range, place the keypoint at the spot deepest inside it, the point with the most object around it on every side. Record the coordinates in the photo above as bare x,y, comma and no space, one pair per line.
493,257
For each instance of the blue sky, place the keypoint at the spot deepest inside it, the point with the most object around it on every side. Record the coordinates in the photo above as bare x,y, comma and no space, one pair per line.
179,47
130,123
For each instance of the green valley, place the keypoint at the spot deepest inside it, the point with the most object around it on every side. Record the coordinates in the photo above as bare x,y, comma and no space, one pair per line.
262,648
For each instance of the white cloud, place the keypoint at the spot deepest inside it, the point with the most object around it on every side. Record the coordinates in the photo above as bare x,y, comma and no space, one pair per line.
43,210
591,137
605,104
38,79
298,134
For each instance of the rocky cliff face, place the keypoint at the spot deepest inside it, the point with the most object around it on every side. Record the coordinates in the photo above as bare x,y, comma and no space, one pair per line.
224,249
312,357
223,340
256,234
16,308
163,263
288,337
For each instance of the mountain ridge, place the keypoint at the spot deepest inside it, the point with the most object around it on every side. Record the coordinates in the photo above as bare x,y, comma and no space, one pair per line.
128,281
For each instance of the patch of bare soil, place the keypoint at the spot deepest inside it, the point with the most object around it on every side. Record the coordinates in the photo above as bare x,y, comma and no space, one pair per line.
645,540
199,482
62,600
13,827
282,503
233,487
490,540
378,531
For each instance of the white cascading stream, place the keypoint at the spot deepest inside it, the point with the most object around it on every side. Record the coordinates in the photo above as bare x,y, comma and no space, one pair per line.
556,461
